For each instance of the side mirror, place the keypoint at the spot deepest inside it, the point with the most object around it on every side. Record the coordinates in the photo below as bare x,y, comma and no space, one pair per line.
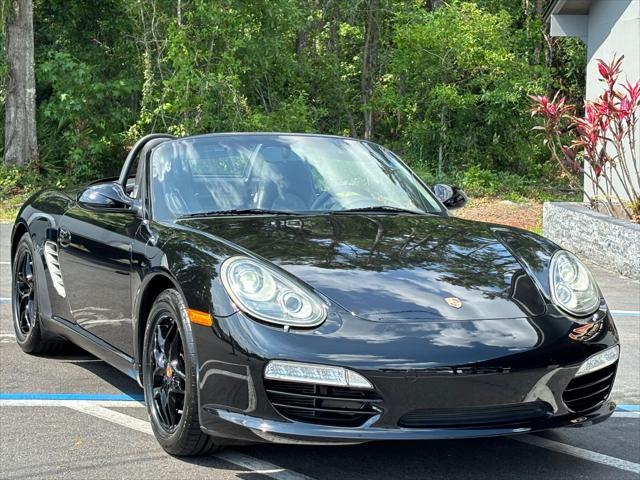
451,197
108,196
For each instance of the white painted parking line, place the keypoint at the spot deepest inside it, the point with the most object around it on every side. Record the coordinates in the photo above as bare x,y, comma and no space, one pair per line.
260,466
255,465
582,453
112,416
5,263
7,337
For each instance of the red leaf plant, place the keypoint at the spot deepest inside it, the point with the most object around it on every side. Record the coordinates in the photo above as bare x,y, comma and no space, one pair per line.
604,147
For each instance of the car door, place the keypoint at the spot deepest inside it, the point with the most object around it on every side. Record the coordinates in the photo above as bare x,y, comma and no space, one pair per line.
95,259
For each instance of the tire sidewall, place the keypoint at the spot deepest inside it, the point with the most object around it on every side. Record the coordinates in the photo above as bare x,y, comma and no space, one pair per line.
29,341
170,301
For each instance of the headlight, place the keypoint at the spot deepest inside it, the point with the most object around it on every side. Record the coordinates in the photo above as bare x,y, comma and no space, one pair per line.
572,286
268,295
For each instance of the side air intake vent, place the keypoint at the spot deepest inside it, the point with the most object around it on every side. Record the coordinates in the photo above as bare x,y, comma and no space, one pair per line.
321,404
53,265
589,391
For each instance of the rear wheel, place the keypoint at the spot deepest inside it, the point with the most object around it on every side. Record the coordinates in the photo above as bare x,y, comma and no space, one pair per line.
27,322
169,379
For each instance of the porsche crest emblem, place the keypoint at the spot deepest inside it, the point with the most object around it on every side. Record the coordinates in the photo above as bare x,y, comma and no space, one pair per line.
453,302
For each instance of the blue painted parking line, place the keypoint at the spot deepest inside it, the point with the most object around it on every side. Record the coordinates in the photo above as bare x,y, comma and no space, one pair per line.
625,313
628,408
73,396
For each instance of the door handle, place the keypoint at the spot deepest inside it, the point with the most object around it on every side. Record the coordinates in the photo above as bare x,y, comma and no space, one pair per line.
64,237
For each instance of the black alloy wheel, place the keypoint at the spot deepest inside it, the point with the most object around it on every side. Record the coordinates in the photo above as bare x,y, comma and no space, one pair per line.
24,300
169,378
167,361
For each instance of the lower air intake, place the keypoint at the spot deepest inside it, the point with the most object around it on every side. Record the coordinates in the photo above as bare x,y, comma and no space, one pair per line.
321,404
470,417
589,391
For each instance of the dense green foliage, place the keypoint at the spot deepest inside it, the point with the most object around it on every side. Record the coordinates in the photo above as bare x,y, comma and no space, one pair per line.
446,88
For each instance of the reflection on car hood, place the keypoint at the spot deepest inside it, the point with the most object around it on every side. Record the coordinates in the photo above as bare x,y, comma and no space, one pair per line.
392,267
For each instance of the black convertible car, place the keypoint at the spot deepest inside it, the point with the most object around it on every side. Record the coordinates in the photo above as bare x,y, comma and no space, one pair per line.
309,289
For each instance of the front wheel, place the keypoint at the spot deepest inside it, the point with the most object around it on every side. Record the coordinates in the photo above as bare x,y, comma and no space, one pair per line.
169,379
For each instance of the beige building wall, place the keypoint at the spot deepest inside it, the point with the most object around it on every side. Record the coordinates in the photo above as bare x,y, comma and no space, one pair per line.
608,27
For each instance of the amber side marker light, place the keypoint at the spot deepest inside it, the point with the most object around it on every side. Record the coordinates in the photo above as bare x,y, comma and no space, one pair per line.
200,318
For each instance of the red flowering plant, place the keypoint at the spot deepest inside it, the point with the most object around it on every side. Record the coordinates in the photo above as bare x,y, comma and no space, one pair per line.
603,146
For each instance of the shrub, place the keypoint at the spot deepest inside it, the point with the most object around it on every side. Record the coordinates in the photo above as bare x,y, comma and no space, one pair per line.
604,139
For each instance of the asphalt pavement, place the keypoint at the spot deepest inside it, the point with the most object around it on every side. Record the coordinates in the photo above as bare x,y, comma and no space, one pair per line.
76,417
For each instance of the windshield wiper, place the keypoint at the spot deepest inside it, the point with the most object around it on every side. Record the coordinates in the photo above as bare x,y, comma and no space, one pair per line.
238,211
379,208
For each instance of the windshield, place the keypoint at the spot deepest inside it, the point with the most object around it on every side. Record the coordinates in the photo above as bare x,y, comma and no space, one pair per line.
281,173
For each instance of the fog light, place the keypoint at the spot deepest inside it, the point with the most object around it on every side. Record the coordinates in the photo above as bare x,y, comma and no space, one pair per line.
599,361
311,373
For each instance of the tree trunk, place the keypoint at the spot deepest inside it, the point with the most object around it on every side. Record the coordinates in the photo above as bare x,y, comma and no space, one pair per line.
443,132
20,141
539,45
369,64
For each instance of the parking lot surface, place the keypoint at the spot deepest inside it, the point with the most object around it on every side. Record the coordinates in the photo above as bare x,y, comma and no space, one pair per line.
76,417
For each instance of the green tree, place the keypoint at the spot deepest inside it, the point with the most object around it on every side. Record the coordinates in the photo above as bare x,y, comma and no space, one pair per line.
442,83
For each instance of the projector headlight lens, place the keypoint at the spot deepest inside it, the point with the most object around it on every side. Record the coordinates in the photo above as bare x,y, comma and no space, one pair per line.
599,361
267,295
312,373
572,286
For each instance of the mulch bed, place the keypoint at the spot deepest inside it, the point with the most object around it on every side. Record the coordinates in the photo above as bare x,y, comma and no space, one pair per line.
522,215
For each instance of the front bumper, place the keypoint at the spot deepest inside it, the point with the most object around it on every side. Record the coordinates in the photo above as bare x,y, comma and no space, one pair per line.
226,424
447,367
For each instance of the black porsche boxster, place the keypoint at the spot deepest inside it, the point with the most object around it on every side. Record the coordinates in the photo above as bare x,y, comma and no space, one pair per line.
309,289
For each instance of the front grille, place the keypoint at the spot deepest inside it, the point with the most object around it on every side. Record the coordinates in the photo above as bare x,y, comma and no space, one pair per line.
589,391
469,417
311,403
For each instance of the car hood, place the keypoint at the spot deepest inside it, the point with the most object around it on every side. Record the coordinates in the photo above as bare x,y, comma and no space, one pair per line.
391,267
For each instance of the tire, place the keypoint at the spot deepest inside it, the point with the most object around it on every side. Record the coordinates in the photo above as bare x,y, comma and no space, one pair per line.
25,307
169,366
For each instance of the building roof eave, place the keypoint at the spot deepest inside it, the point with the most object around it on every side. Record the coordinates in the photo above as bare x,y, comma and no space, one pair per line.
567,7
553,7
